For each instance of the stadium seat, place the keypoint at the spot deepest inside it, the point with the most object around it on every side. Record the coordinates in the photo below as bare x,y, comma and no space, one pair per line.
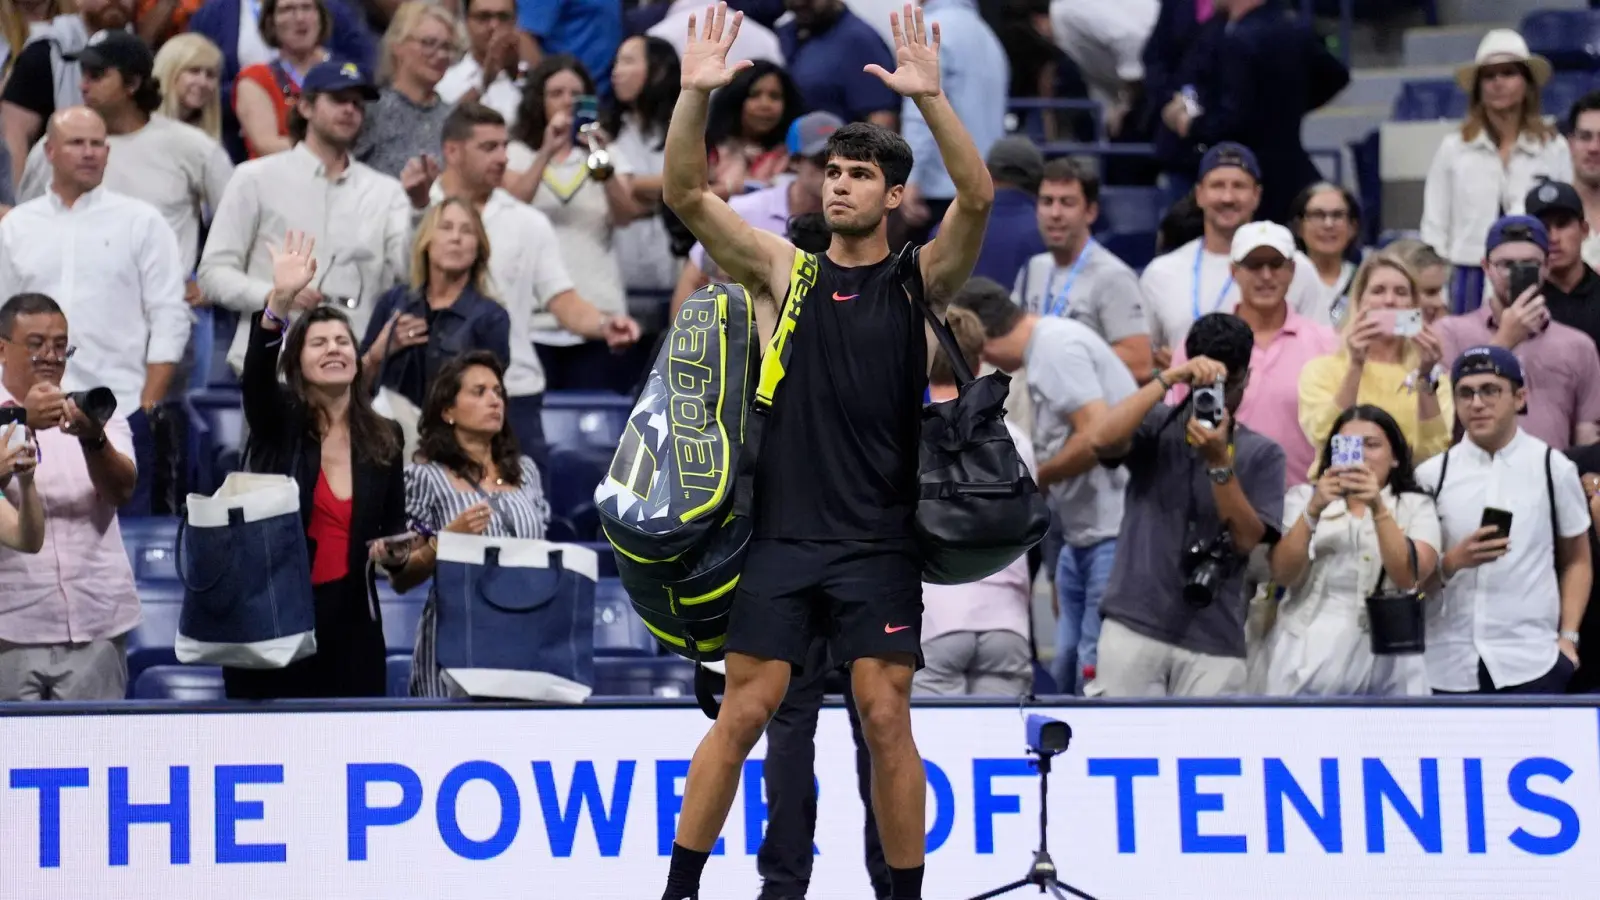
179,683
1565,89
575,471
661,676
149,644
618,630
399,674
1426,101
224,322
151,542
401,613
1368,159
1130,210
585,418
216,436
1569,38
1134,249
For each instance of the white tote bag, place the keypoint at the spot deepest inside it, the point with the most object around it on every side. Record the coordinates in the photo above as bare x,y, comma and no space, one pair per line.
246,572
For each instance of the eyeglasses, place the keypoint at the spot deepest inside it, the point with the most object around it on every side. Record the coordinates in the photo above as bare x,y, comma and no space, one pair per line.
434,45
1327,216
1491,392
38,350
485,18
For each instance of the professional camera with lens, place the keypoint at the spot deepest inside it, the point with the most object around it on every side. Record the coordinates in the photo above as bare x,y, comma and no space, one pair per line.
1209,403
1207,565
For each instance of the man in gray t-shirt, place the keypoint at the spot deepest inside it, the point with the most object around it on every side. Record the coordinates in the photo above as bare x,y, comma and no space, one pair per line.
1073,378
1078,278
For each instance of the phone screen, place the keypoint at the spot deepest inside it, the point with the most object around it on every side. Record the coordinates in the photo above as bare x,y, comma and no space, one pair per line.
1498,519
1523,275
585,111
1386,319
1348,450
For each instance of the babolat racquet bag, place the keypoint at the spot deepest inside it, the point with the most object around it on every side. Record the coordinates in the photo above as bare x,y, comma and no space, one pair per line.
676,502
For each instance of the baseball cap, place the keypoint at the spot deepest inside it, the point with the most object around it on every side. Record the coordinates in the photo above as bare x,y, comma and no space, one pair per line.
1016,160
1253,236
1229,154
1487,360
808,135
1551,196
1511,229
120,50
333,75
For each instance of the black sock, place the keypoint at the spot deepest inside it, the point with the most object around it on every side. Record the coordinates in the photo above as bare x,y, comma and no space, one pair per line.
683,878
905,884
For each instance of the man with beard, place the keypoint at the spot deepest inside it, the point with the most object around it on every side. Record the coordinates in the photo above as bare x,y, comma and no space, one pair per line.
837,549
360,219
1197,278
46,76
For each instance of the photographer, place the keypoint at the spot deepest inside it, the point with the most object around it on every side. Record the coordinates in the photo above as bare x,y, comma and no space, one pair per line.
1202,493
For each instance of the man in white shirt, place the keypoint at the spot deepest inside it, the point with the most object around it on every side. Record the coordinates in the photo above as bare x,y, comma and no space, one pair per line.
525,265
1106,42
360,219
487,73
1076,278
754,41
1197,278
113,264
1512,599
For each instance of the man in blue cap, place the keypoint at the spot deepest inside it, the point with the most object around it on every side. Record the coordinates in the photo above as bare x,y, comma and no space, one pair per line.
359,218
1561,362
1509,621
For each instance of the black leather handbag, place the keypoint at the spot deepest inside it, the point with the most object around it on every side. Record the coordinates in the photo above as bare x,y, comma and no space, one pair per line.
978,509
1398,625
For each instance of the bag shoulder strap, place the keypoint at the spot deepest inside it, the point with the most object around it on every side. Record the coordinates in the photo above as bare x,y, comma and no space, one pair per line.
1550,492
910,272
773,367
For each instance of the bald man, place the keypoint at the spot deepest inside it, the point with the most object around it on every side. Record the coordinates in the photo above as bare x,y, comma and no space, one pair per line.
113,265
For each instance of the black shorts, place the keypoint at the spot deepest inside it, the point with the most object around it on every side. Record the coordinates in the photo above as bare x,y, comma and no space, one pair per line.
863,597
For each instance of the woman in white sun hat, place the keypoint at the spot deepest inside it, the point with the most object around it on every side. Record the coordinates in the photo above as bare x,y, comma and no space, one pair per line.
1504,148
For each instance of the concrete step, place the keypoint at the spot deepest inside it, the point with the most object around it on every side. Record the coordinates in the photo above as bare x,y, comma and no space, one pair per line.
1463,12
1380,87
1447,45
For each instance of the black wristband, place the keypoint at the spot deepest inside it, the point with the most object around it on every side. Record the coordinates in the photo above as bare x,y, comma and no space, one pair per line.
94,444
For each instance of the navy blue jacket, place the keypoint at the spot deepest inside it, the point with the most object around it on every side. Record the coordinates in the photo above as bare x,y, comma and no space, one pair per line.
473,322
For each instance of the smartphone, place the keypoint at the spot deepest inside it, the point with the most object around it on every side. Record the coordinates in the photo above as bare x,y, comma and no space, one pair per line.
1408,322
585,111
1524,275
406,539
13,414
1348,450
1498,519
1386,319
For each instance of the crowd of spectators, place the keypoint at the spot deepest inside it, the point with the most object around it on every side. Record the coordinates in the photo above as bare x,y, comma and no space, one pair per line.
415,219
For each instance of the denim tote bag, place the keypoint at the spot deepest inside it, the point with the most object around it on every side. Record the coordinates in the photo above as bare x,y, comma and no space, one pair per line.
246,573
515,617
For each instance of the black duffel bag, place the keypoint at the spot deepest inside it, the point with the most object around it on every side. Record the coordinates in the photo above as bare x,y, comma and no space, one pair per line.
978,509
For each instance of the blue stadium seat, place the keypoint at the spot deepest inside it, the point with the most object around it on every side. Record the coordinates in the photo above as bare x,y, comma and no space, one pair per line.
1367,156
224,322
1569,38
1565,89
149,644
151,542
1425,101
1134,249
216,436
575,471
585,418
398,668
179,683
618,630
401,613
1130,210
661,676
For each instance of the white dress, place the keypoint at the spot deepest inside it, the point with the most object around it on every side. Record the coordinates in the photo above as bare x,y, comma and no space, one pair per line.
1320,644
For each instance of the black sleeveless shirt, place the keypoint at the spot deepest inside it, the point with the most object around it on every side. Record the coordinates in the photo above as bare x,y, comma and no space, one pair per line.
840,450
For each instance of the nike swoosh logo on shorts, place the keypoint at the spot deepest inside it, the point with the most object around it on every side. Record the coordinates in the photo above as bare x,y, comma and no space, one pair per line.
842,299
891,629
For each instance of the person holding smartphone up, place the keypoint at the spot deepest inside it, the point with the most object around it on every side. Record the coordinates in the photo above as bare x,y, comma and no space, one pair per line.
1510,592
1560,362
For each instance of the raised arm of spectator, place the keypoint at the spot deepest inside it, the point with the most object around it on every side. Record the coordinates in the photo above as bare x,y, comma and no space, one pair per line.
1113,436
751,256
226,258
948,259
22,525
266,405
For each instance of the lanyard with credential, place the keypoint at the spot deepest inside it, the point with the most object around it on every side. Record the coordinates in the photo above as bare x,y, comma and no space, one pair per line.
1226,286
1056,304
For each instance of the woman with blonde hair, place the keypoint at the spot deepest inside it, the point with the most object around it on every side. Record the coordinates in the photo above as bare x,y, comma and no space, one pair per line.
1432,272
189,68
1389,360
406,122
444,312
1485,171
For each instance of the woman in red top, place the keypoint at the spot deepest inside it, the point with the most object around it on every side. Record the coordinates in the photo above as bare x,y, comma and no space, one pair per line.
320,430
746,128
297,29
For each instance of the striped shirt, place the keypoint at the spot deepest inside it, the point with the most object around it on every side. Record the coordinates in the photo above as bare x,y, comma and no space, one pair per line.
434,501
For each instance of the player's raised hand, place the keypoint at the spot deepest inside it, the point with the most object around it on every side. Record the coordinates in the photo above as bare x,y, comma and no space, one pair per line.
705,57
916,72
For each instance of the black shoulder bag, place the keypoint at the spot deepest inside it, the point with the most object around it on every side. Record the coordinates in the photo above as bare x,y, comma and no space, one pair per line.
978,509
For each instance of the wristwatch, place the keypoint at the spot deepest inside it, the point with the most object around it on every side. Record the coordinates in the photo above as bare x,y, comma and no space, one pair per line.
1220,475
1570,637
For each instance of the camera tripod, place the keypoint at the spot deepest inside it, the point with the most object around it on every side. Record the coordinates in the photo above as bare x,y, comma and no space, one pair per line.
1043,871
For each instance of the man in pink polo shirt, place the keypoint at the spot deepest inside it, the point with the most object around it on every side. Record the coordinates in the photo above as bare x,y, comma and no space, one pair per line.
1263,257
1560,363
65,610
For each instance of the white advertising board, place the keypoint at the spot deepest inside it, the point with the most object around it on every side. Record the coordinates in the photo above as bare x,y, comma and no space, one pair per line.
1149,802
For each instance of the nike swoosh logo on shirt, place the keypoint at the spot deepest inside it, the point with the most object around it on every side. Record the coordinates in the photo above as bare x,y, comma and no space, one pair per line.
892,629
844,298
